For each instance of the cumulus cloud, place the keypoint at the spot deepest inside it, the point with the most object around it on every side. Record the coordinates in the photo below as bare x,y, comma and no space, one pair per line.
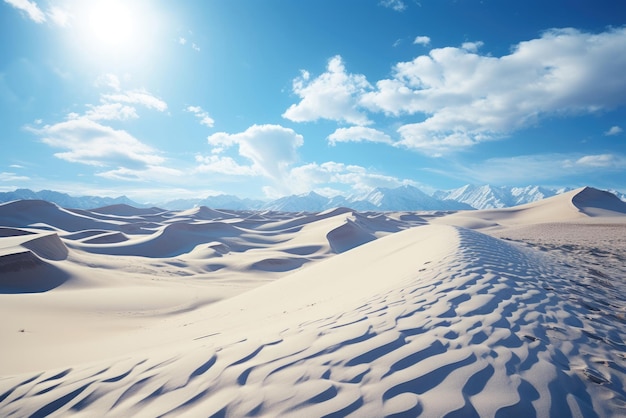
331,175
85,139
271,151
333,95
472,46
223,165
119,105
88,142
358,134
614,130
270,148
202,115
111,111
30,8
463,98
141,97
109,80
421,40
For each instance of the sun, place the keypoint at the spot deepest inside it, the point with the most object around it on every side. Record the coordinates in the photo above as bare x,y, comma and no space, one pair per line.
112,24
116,35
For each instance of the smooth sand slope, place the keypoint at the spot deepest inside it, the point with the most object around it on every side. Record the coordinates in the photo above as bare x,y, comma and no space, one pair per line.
85,294
586,205
348,314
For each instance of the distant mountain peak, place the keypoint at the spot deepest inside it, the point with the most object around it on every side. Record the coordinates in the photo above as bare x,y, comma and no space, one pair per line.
494,197
65,200
402,198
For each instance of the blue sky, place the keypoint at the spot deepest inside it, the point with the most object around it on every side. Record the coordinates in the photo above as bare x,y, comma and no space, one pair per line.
160,100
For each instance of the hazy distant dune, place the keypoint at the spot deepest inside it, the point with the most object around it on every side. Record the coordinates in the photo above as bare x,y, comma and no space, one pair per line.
234,313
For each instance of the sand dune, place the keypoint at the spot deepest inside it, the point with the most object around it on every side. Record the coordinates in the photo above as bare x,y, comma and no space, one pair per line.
42,214
126,210
333,314
579,204
595,202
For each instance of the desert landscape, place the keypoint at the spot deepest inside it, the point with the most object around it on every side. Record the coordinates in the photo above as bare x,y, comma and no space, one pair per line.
121,311
383,208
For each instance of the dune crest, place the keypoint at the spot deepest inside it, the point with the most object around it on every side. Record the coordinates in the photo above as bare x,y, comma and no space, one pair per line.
25,262
575,205
468,325
594,202
338,313
48,246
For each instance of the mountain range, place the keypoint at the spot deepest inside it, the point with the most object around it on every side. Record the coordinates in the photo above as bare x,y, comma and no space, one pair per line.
404,198
65,200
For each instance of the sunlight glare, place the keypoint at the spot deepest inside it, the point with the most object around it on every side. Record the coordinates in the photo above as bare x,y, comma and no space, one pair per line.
112,24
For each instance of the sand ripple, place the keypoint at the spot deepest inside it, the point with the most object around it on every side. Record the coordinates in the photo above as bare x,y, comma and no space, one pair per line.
480,327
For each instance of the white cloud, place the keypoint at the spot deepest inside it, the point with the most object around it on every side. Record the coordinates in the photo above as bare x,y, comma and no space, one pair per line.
88,142
150,173
422,40
111,111
537,168
56,14
272,152
188,40
472,46
5,177
354,178
463,98
31,9
109,80
333,95
223,165
358,134
614,130
141,97
397,5
59,16
114,106
610,161
202,115
270,148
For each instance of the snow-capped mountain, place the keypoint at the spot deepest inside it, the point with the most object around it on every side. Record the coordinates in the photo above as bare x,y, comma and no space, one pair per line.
223,201
403,198
489,197
522,195
478,197
379,199
621,196
65,200
310,202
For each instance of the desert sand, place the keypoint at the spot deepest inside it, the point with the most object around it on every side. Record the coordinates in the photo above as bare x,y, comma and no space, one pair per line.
125,312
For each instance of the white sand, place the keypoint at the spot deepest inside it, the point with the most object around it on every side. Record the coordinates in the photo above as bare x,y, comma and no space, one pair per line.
126,312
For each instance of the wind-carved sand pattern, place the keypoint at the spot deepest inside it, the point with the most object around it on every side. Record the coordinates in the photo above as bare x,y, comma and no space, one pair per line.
435,320
482,329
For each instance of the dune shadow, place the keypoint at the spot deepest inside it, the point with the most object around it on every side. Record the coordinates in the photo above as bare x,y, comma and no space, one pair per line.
24,272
